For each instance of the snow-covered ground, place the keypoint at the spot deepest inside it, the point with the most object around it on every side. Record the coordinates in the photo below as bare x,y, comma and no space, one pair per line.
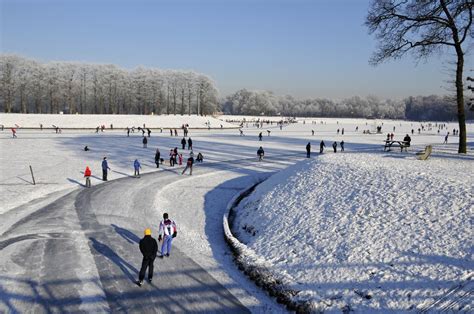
385,180
392,227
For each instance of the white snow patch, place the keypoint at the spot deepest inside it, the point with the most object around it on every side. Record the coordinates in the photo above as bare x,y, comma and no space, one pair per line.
357,224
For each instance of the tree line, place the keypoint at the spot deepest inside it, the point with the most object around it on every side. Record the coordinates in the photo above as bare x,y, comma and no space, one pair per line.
29,86
247,102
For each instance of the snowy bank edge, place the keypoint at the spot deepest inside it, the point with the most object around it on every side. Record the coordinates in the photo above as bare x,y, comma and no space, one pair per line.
257,269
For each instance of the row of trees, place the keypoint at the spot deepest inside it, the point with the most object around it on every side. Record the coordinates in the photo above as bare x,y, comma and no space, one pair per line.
28,86
245,102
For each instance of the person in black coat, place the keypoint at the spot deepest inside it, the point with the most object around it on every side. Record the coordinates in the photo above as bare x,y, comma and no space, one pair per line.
334,146
149,248
157,158
308,150
321,147
190,144
183,143
145,142
260,153
407,140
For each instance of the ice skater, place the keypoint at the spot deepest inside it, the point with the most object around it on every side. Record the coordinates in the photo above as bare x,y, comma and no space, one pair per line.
190,144
137,167
87,175
13,133
199,157
105,167
183,143
321,147
260,153
157,158
171,158
149,249
189,165
168,231
342,146
308,150
334,146
145,142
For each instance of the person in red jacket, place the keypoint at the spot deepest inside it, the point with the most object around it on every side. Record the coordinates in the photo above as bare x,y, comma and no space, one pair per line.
87,175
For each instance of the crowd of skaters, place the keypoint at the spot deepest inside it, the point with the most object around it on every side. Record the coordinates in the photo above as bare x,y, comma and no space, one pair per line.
175,157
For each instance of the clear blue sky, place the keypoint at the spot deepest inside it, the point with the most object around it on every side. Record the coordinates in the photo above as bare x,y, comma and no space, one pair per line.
316,48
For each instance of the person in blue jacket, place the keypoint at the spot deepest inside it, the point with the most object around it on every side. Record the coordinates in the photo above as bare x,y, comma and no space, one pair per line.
137,166
105,167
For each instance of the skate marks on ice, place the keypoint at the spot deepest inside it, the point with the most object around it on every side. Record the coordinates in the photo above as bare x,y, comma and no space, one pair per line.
85,264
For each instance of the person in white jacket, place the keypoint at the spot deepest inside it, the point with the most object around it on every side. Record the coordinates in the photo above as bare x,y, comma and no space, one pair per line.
167,232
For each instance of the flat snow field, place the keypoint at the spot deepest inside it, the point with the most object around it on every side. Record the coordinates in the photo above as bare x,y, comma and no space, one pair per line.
379,223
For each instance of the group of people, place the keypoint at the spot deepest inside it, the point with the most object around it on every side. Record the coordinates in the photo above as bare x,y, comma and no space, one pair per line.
322,145
175,158
149,246
189,142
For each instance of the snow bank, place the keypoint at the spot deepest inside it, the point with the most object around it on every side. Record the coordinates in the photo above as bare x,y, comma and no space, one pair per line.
258,269
368,232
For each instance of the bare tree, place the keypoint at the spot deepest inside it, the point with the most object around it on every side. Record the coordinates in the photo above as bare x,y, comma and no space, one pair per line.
423,27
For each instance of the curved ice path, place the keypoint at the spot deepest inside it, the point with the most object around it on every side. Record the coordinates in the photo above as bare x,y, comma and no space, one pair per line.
80,253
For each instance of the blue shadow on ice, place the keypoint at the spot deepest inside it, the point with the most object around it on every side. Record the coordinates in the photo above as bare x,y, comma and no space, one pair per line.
126,234
105,250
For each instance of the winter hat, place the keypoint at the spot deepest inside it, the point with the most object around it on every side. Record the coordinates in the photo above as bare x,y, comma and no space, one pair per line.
147,231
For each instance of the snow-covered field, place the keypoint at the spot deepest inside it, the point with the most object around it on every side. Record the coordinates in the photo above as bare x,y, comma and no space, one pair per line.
396,229
335,223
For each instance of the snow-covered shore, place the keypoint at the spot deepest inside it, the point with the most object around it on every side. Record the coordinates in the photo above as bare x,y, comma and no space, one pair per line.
352,226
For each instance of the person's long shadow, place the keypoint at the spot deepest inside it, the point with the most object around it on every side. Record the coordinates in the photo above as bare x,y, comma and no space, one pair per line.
126,234
123,173
75,181
120,262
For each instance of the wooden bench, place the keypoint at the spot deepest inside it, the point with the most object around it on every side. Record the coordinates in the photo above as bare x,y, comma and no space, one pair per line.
402,144
426,153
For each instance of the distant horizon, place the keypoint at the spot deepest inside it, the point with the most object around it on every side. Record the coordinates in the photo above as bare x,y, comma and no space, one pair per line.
302,48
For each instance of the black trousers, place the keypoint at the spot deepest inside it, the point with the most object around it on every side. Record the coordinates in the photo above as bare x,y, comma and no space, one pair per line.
104,175
146,263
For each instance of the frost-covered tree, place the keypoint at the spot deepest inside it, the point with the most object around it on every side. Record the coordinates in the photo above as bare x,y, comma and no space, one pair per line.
73,87
423,28
246,102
